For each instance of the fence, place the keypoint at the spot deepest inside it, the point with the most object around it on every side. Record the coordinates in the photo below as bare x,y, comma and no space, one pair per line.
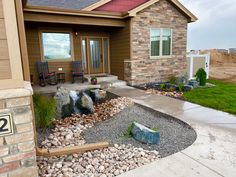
197,61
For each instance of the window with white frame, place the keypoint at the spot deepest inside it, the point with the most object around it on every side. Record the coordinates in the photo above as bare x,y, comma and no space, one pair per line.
56,46
161,42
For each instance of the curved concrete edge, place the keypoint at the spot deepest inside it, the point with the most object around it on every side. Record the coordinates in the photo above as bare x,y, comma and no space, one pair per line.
212,154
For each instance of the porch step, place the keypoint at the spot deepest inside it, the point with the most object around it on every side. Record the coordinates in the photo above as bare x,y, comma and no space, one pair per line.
107,78
119,83
116,83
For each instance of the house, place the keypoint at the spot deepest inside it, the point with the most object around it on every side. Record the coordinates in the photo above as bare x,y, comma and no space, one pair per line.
138,40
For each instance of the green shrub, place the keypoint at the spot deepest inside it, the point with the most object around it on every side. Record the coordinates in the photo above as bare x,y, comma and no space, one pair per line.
44,110
173,80
201,77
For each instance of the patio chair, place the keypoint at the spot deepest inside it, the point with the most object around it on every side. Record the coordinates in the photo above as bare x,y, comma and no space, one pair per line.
44,75
77,71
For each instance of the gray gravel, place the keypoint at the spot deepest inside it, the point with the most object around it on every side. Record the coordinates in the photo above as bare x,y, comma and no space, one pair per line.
175,135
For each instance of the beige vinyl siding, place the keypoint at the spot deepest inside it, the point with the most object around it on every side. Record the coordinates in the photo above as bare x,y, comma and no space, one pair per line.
5,68
34,53
34,49
120,49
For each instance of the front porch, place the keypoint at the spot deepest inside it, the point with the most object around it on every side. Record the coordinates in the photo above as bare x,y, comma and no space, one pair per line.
104,81
101,49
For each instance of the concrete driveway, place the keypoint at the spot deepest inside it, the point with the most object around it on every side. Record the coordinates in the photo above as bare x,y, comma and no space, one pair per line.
213,154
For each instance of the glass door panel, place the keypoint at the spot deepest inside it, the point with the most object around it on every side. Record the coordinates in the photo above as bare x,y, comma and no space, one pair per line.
96,59
84,54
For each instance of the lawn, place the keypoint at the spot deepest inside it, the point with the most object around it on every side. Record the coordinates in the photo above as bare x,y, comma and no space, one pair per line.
221,97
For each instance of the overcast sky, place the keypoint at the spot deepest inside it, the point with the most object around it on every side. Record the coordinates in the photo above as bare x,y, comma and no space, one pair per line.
216,25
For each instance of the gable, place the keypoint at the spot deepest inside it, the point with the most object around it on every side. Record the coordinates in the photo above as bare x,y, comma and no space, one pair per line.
132,7
120,5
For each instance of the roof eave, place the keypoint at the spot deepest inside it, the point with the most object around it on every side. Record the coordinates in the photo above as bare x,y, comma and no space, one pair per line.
96,5
53,10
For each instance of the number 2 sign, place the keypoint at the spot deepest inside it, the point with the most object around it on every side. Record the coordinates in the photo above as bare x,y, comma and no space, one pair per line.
6,127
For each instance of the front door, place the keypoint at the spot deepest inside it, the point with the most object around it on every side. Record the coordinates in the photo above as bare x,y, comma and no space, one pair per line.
95,55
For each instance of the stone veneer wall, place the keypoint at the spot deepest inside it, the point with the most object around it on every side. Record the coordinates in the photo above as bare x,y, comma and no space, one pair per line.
140,68
17,151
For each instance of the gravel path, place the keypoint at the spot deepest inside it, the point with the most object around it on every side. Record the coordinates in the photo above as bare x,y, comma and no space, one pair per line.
175,135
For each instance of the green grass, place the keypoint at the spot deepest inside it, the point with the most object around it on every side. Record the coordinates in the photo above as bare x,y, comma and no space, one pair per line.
221,97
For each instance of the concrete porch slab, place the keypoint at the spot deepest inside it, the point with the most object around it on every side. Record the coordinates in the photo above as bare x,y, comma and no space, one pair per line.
53,88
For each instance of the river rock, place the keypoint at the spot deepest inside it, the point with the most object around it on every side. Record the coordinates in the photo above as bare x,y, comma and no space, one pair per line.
144,134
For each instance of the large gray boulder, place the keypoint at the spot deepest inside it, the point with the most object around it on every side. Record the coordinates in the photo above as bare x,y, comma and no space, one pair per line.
97,94
144,134
85,104
74,97
63,108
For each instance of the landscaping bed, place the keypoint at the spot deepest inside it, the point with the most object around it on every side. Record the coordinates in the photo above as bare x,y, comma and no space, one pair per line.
109,122
175,135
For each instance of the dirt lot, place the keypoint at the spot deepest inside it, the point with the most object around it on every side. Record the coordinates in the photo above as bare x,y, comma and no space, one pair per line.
222,66
224,73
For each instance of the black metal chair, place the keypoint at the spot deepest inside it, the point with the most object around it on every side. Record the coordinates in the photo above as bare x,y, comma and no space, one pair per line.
44,75
77,71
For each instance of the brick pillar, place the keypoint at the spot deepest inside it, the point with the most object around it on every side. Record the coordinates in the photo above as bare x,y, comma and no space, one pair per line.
17,147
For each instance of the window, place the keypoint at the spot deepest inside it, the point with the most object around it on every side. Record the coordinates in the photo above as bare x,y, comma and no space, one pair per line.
161,42
56,46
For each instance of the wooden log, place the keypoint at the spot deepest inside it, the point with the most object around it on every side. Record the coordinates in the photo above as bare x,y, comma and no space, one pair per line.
71,150
41,152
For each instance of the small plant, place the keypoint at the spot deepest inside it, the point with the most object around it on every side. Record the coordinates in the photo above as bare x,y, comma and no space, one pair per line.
155,129
128,133
94,80
201,77
181,87
162,86
173,80
44,111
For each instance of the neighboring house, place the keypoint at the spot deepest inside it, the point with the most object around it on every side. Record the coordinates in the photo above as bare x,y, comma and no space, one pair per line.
137,40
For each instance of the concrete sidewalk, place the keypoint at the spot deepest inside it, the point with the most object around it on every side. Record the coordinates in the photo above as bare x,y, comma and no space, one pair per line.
212,154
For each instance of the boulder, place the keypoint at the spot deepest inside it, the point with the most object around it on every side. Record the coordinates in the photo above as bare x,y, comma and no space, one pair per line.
171,86
182,80
193,83
144,134
74,97
188,88
85,103
63,107
97,94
